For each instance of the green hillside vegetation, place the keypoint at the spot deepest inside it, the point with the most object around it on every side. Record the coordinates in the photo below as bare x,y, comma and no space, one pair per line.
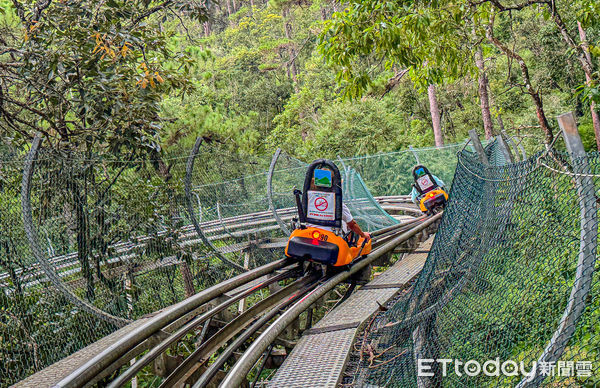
323,181
257,76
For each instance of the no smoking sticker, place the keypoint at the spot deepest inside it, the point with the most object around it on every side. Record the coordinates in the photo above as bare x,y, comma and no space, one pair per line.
424,182
321,205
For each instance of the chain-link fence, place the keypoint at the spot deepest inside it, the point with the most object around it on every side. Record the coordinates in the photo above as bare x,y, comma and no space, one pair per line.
107,241
505,283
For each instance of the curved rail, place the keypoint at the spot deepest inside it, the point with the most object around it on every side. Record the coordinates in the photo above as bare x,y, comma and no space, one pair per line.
88,371
160,348
125,348
189,168
238,372
35,244
212,370
281,224
202,354
164,345
122,249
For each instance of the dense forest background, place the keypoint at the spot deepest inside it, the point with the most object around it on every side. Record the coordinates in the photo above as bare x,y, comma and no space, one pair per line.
317,78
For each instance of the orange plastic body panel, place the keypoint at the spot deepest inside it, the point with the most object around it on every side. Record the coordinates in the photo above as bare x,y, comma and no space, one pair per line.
430,194
346,254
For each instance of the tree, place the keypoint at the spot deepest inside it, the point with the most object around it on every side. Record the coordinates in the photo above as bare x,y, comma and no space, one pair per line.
435,116
431,38
483,83
89,77
589,82
552,9
426,38
527,84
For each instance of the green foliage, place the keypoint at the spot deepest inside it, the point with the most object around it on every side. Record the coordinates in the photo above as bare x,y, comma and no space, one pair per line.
122,99
429,39
92,76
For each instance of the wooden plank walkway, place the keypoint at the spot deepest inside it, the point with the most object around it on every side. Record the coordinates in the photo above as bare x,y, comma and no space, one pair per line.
320,357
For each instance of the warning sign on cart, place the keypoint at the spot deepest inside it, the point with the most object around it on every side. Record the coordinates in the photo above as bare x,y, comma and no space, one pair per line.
424,182
321,205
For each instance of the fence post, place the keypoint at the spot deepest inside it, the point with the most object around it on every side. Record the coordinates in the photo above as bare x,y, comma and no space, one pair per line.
576,303
567,124
414,154
281,224
515,147
478,147
505,149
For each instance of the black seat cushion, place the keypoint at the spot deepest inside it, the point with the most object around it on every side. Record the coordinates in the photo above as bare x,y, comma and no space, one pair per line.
312,249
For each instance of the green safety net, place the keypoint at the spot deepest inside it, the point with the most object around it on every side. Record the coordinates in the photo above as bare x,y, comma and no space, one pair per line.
390,173
504,283
117,239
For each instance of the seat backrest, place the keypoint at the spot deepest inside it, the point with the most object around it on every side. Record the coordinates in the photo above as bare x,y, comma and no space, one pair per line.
322,194
424,180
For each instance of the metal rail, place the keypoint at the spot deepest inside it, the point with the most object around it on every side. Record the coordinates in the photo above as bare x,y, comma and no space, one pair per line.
212,370
85,373
157,350
211,345
128,346
66,265
237,374
193,362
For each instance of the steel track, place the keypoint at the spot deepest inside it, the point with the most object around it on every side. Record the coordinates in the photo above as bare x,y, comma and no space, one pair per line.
68,265
243,326
237,374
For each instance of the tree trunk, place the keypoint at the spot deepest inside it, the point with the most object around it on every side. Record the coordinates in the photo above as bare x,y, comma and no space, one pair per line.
164,171
535,96
584,57
588,80
188,282
435,116
229,12
6,263
483,94
291,50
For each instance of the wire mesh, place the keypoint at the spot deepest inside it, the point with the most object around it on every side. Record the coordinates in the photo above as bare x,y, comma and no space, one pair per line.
118,236
396,167
496,284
